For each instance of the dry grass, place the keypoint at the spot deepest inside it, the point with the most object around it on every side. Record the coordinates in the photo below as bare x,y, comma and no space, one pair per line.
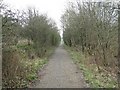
96,79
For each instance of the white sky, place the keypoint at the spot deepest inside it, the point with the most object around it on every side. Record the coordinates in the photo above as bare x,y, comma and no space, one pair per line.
53,8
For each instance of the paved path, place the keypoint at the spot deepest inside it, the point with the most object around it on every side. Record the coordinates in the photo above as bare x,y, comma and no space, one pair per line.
61,72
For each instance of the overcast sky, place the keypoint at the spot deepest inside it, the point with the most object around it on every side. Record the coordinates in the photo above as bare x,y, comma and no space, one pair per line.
53,8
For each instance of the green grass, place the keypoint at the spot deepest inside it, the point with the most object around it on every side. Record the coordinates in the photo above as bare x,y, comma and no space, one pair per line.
32,66
35,65
91,74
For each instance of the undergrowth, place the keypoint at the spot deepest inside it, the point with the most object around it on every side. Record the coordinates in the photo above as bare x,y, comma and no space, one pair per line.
18,70
94,78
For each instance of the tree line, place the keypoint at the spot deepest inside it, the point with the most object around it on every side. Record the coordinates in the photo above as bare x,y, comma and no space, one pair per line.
25,35
92,27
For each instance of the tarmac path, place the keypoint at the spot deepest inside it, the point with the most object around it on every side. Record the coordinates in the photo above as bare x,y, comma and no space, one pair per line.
61,72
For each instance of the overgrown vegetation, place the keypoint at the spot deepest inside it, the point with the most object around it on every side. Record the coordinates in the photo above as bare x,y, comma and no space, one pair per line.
28,38
91,28
90,71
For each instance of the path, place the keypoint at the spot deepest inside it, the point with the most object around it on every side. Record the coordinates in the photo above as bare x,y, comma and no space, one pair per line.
61,72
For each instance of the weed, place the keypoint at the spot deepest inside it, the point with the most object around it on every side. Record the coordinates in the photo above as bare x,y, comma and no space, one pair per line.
90,72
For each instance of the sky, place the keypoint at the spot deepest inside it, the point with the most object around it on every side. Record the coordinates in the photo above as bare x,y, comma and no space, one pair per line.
53,8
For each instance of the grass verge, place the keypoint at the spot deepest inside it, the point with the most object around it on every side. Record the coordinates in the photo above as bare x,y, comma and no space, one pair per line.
91,74
21,64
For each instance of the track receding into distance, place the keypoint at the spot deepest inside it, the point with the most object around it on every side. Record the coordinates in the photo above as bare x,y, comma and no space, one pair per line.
60,72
